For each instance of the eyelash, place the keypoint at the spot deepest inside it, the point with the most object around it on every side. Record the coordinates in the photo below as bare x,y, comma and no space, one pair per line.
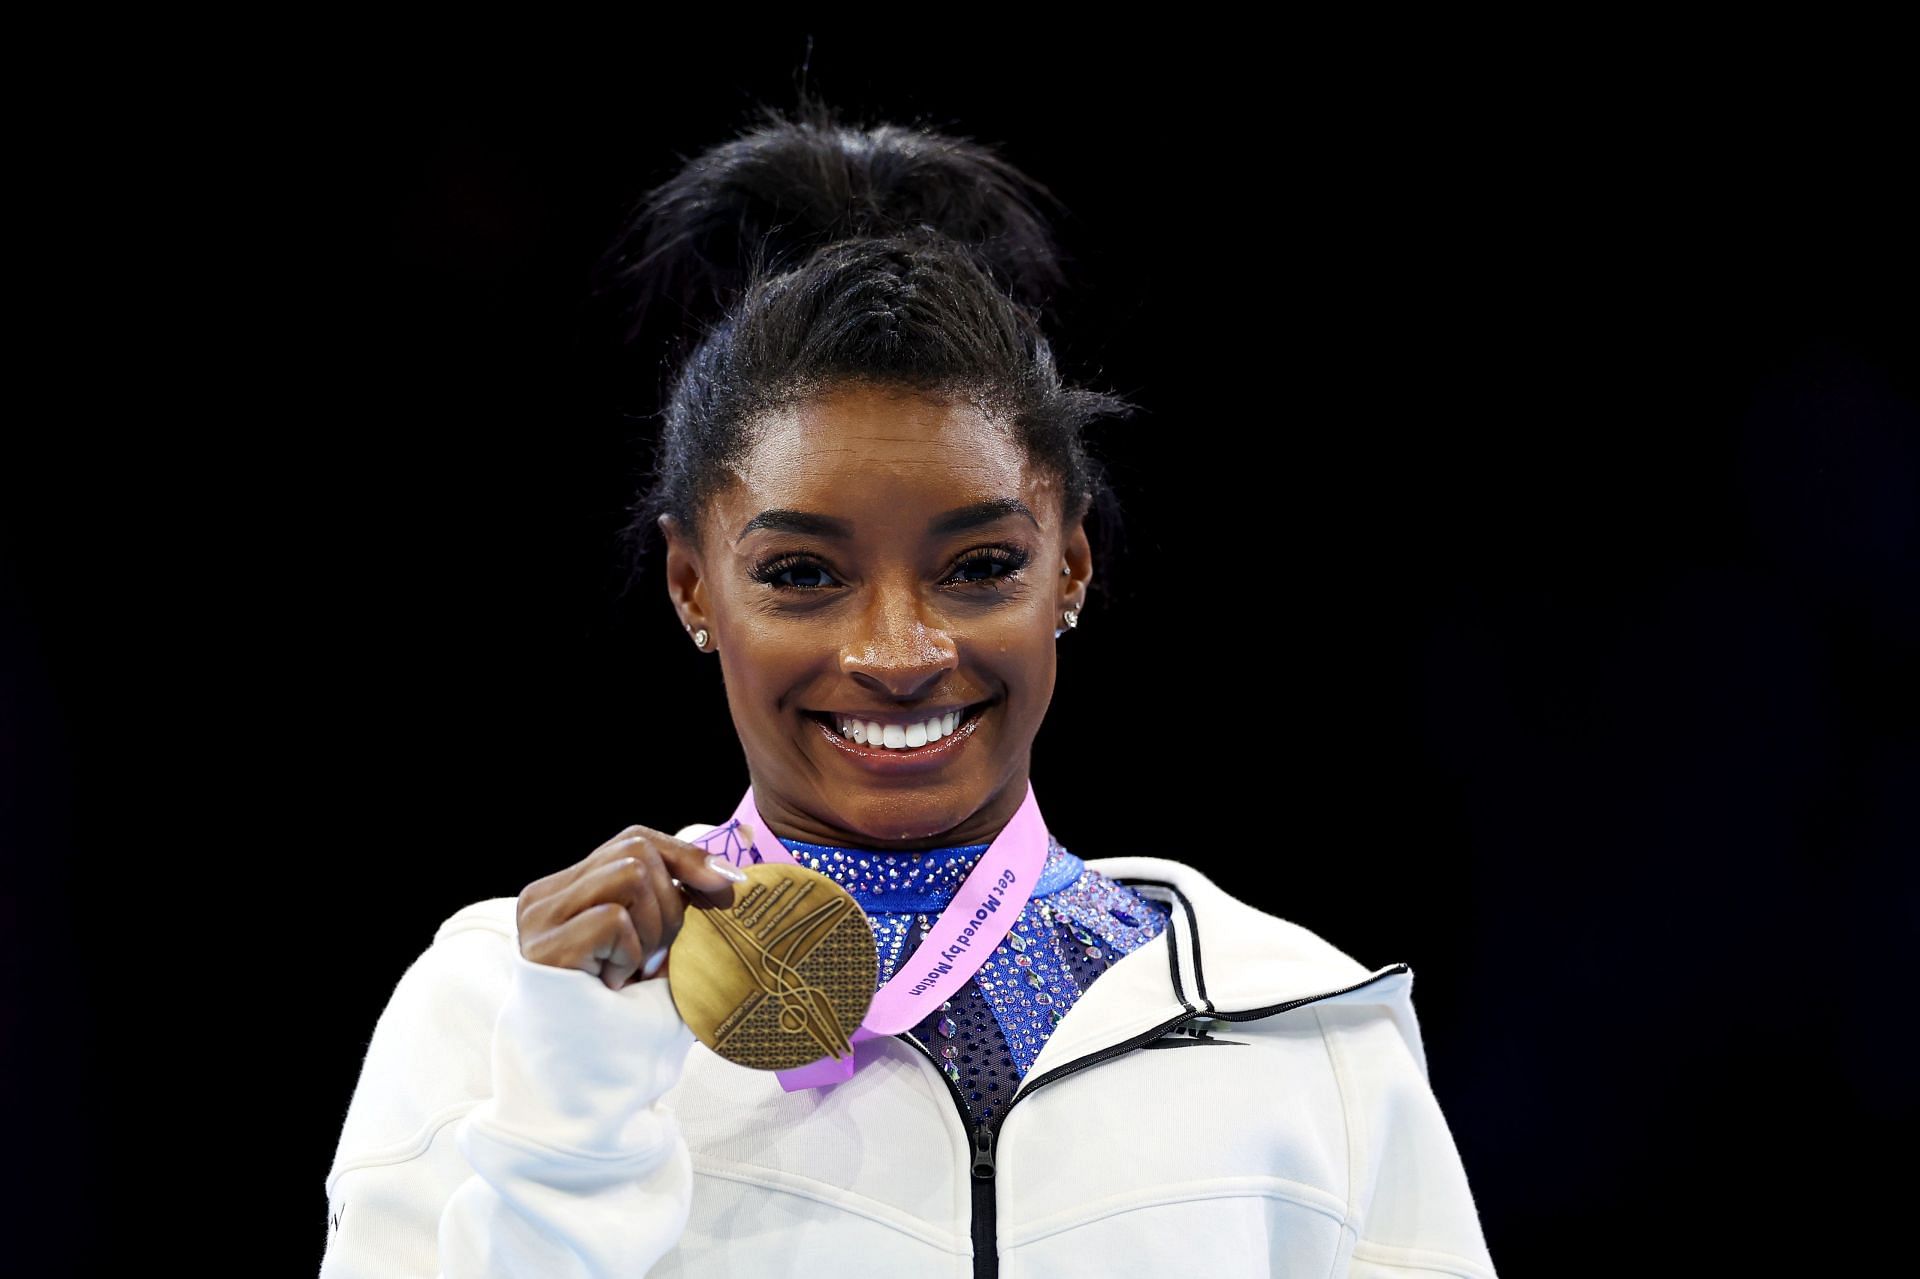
1013,558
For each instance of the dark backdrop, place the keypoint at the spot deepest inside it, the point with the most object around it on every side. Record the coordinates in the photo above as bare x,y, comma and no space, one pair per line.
1518,574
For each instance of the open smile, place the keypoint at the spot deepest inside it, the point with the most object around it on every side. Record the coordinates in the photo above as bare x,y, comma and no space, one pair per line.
887,740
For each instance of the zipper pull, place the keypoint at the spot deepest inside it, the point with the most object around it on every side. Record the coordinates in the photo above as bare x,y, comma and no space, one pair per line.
983,1152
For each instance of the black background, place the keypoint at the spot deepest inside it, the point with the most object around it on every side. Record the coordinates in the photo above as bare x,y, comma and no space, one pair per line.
1518,579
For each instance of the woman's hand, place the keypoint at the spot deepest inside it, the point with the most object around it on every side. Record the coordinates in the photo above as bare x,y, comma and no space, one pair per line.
617,910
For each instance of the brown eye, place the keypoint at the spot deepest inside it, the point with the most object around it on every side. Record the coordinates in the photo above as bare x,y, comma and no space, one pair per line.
793,573
989,564
803,570
982,567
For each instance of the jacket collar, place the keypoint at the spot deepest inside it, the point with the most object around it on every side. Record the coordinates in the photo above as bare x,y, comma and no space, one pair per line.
1218,958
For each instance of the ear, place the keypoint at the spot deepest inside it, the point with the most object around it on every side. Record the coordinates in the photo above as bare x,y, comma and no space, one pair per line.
687,579
1077,554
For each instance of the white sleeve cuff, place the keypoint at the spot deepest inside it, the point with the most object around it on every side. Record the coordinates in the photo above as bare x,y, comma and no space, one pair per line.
577,1066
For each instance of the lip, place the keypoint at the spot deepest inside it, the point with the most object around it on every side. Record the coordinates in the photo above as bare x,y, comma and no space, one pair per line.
882,759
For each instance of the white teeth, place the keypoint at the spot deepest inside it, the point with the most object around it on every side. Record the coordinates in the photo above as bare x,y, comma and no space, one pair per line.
900,736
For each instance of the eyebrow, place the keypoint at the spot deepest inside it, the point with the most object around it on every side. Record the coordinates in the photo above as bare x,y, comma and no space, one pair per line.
784,521
958,520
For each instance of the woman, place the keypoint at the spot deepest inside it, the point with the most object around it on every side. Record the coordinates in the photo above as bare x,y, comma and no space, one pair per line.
873,498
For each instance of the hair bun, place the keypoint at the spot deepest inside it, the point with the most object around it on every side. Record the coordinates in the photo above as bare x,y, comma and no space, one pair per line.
786,186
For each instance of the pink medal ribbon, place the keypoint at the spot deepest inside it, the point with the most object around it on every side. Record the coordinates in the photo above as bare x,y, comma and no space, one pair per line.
979,917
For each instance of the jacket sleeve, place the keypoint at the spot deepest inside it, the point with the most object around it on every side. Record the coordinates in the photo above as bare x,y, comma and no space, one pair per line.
508,1121
1413,1212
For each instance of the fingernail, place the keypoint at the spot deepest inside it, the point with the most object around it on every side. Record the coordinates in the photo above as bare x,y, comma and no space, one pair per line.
653,963
726,868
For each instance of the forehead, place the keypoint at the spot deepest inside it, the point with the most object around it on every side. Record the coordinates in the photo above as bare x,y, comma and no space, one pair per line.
878,454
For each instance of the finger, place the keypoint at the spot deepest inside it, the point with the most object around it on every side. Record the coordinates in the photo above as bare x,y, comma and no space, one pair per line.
707,875
553,899
673,902
601,941
620,844
622,952
626,881
640,882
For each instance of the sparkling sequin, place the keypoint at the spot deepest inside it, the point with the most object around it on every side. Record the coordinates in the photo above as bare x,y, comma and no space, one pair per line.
1088,905
919,883
1000,1019
1093,952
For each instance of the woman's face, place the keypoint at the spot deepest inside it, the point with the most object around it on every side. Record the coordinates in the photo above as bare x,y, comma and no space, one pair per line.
886,558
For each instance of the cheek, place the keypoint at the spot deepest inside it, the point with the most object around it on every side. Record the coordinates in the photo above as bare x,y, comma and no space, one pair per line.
1023,655
765,660
1016,619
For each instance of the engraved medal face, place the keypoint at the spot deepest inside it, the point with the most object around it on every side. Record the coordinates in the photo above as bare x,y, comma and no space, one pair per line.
783,977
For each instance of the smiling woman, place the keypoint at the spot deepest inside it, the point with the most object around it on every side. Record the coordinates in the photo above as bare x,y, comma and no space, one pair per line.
898,573
873,497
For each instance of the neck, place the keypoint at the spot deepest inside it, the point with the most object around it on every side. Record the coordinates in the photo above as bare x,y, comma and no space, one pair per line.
900,832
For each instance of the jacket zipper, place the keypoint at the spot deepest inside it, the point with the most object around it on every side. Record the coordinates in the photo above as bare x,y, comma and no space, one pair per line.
986,1252
1255,1014
986,1226
985,1231
1186,1018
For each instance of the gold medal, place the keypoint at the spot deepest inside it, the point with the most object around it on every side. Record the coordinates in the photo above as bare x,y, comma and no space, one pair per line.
780,979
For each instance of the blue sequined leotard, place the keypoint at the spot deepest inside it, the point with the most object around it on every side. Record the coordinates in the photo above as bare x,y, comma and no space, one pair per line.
987,1036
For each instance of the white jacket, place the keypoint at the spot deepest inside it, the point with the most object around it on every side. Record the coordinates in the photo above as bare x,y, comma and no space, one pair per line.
1236,1097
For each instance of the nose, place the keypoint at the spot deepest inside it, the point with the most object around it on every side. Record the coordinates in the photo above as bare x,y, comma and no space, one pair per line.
895,652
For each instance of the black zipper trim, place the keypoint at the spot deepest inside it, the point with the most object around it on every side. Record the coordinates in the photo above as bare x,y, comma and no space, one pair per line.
1079,1064
1193,926
1173,966
1173,945
1195,1035
986,1243
984,1224
1199,978
1255,1014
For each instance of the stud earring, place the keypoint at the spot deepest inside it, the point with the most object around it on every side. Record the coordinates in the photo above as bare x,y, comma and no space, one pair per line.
1065,571
699,638
1072,619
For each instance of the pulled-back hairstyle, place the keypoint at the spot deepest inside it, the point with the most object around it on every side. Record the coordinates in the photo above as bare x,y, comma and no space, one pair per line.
804,255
